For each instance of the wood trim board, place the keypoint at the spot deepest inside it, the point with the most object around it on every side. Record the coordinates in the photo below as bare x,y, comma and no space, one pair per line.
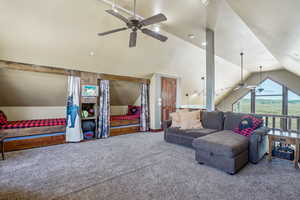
123,78
125,130
61,71
21,132
33,143
36,68
115,123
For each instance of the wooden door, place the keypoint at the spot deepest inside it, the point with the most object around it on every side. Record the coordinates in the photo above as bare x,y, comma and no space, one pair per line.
168,97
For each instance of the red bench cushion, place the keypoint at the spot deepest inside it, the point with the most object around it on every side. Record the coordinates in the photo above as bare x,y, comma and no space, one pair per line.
34,123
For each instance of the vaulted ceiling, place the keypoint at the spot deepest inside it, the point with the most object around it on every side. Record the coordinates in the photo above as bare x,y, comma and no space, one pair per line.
63,33
276,24
268,37
192,17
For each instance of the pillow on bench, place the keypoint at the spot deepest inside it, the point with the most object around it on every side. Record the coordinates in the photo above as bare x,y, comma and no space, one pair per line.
3,119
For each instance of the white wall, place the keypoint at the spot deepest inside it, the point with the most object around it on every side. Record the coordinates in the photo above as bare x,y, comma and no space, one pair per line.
14,113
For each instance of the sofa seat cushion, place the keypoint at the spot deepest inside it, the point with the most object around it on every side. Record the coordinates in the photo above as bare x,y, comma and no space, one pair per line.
194,133
225,143
185,137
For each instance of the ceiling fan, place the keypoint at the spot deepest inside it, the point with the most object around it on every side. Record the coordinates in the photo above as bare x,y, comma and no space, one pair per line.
260,88
242,84
135,24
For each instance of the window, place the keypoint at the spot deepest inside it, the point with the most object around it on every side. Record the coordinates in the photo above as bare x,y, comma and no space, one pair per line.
269,98
243,105
293,103
293,107
272,98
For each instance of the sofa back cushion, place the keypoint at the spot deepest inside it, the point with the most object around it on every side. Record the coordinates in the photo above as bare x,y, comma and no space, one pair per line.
175,117
212,120
186,119
232,120
190,120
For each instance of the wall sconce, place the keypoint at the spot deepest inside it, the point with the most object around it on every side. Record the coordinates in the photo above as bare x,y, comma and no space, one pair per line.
194,93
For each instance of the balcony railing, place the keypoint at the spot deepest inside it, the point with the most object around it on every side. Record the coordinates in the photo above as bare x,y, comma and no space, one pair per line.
282,122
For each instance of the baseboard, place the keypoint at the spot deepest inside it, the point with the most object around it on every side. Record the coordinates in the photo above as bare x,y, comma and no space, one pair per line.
156,130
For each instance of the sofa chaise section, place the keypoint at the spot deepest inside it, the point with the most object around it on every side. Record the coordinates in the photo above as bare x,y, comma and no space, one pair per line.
230,151
224,150
257,141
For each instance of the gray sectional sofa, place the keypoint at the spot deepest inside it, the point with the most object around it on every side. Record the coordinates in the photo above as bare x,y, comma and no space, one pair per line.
217,145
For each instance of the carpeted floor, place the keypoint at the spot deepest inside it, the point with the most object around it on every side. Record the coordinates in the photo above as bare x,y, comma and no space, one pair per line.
137,166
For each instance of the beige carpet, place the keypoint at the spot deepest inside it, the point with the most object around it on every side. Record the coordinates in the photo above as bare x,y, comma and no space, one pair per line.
137,166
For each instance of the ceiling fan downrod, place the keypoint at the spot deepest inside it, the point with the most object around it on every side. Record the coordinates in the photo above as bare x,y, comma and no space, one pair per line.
242,67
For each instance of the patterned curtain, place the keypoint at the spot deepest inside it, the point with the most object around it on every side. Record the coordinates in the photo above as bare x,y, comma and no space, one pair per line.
104,110
73,129
144,121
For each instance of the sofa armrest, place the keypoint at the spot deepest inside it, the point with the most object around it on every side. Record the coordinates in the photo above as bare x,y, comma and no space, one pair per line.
258,144
167,124
262,131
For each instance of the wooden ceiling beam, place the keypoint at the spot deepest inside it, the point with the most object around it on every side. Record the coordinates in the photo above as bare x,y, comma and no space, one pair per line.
123,78
61,71
36,68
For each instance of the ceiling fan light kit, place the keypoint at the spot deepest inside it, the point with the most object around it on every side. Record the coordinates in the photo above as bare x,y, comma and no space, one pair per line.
136,25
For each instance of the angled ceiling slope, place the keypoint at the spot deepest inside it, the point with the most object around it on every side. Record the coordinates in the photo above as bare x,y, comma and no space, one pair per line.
124,93
276,24
21,88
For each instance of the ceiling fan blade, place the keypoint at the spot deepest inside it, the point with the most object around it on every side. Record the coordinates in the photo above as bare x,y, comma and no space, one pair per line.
112,31
154,35
132,40
114,13
237,88
154,19
251,86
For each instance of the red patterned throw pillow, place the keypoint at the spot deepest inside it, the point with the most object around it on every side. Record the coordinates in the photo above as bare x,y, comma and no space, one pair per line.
134,110
247,125
3,119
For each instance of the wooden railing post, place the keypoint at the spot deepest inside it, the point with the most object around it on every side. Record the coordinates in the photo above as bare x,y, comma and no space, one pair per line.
289,124
273,122
267,121
286,122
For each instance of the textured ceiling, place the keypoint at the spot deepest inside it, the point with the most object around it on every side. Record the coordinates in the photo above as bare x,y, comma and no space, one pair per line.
232,35
276,24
